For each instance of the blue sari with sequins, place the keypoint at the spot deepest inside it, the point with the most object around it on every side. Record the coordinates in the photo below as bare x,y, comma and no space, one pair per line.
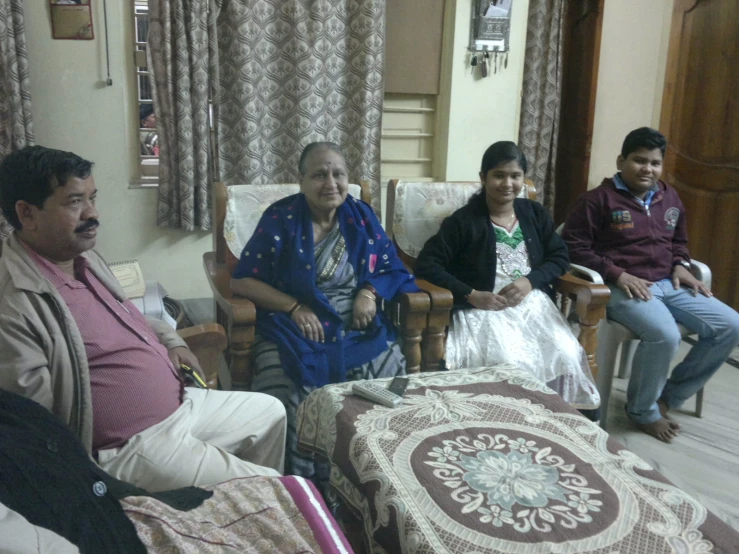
281,254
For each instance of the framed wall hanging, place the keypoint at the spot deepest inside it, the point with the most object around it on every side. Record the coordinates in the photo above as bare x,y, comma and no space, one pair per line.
71,19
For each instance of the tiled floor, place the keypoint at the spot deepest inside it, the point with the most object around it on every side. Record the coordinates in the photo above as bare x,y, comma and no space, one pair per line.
703,460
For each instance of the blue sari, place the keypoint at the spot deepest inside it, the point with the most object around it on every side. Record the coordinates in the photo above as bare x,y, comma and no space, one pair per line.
281,254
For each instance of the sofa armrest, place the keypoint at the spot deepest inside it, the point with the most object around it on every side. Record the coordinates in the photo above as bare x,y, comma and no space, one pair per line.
701,272
441,298
238,310
590,305
434,337
238,315
410,310
207,342
586,273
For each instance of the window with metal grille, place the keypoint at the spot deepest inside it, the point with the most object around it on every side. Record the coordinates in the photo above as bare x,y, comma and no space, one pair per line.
148,138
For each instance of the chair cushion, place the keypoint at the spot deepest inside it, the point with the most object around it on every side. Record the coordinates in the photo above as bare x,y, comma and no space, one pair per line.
245,206
421,207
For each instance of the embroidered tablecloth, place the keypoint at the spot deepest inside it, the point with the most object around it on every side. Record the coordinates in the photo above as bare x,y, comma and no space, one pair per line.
490,460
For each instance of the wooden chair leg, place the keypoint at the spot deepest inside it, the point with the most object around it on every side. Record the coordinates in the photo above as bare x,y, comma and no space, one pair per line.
412,332
241,339
434,339
699,403
589,334
434,346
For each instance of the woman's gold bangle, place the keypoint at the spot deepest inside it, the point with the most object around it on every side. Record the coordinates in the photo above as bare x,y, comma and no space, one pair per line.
294,309
369,296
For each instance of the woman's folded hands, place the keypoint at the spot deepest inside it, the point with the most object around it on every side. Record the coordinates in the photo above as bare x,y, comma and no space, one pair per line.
308,323
365,308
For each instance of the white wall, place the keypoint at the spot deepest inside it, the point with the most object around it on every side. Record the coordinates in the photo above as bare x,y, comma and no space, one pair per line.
477,111
74,110
631,75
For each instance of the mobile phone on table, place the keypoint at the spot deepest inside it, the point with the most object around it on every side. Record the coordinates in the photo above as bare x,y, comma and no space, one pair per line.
398,385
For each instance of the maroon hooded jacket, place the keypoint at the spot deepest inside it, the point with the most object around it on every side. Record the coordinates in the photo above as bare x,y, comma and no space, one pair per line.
609,231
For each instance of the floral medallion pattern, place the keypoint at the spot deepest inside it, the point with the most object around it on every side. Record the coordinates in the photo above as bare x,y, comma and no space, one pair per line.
489,460
512,481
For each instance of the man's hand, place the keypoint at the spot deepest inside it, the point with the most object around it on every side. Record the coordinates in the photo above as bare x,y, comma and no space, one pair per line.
681,276
308,323
516,291
183,355
634,286
483,300
364,311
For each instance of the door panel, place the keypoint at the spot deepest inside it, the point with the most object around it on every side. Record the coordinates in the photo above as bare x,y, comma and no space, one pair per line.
700,117
582,29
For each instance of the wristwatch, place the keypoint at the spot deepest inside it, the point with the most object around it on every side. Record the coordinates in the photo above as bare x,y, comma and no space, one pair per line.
683,263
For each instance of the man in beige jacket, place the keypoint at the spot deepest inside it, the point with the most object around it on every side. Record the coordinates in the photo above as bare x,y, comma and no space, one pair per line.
72,341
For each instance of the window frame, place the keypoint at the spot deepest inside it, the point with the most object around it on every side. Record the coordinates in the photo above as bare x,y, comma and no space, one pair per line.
147,166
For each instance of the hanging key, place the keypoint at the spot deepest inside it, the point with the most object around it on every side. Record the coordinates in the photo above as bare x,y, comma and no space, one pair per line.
484,64
505,65
473,62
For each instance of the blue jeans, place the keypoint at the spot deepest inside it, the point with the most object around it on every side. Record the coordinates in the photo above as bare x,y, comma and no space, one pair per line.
653,321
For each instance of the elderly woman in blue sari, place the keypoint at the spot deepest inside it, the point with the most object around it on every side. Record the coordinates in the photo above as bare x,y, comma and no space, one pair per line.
316,267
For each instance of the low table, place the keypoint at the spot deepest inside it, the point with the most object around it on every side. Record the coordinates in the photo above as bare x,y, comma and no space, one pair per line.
491,460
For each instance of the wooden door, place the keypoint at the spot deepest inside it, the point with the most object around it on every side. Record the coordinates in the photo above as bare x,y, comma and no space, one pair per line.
581,50
700,117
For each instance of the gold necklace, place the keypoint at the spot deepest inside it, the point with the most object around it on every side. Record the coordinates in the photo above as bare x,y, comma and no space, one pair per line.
509,219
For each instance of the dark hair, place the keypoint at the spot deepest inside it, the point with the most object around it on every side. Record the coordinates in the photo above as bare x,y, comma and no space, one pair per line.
145,110
643,137
313,146
29,174
500,153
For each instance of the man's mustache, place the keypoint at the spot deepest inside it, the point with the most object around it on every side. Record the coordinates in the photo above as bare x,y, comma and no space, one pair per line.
87,225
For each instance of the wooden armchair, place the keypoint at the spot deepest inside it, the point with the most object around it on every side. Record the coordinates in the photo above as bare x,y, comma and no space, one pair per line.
414,214
207,342
238,315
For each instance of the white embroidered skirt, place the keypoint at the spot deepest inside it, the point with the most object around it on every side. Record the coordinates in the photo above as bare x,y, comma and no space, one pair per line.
534,336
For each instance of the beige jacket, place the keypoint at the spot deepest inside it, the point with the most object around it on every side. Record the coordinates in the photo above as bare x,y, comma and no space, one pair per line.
42,355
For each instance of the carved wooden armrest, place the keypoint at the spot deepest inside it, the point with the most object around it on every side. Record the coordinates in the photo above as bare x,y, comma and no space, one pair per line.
434,337
590,306
410,310
238,315
238,309
207,342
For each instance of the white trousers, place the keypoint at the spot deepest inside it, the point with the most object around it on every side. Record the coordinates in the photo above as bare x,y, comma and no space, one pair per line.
213,436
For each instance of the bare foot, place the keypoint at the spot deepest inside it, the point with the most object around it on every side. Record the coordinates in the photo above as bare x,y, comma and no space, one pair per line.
660,429
663,409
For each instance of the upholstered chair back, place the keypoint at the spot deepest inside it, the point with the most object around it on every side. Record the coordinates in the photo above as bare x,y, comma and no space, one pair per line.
241,207
415,210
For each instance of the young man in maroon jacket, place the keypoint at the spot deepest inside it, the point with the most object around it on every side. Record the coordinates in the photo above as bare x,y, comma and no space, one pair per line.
631,229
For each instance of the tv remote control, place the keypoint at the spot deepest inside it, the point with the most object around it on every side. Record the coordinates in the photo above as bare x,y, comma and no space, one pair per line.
376,393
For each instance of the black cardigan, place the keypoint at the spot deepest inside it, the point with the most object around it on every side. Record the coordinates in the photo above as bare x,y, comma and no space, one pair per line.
47,476
462,256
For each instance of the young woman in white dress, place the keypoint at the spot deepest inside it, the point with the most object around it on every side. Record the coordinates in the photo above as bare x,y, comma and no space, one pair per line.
500,255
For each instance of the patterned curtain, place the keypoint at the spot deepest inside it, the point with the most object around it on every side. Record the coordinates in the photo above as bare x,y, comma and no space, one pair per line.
297,71
16,125
182,51
542,84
